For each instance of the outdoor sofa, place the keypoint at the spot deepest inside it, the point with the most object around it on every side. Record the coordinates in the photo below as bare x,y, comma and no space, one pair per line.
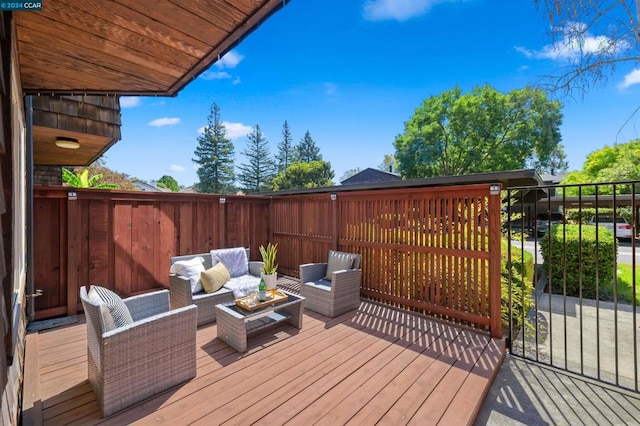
182,294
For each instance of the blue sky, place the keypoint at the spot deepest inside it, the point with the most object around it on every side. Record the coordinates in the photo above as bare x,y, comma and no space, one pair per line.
353,72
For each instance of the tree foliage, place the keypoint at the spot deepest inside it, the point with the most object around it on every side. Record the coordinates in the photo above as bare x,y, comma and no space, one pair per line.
620,162
304,175
351,172
81,179
168,182
306,150
458,133
286,150
592,37
215,156
389,164
258,174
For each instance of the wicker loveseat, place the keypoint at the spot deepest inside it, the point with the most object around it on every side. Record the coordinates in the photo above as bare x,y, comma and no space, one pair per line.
182,295
132,362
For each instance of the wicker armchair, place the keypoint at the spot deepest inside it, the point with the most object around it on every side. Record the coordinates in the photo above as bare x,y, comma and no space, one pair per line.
335,297
134,362
181,294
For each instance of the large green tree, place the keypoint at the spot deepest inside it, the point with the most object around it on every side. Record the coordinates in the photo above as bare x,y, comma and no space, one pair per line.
306,150
215,156
304,175
458,133
619,162
168,182
286,150
257,175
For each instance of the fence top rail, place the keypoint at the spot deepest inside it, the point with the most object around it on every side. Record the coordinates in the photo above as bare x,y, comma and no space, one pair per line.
117,194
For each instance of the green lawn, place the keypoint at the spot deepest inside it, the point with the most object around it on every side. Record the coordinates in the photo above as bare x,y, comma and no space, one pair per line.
625,284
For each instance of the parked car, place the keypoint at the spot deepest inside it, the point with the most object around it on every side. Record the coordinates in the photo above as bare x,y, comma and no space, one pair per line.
545,220
622,228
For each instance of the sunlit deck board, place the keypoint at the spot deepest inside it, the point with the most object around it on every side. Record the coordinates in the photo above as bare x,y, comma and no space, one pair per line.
374,364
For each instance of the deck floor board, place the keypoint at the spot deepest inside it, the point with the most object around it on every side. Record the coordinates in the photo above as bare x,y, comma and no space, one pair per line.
375,365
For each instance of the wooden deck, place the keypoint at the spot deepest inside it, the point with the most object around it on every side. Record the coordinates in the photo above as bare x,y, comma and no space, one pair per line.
375,365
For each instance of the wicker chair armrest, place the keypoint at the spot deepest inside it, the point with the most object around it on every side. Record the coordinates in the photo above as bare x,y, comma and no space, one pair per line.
180,291
312,272
149,304
172,326
255,268
346,278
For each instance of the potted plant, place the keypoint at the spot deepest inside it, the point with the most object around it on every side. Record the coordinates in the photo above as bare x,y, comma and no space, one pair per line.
269,267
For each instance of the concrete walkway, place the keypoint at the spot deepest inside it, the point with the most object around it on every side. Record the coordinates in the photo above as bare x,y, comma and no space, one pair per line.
527,393
595,340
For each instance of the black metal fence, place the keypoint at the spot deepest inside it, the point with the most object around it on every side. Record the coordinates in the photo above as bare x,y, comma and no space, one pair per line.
574,250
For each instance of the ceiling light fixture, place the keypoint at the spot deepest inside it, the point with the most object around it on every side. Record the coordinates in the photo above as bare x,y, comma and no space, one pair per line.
68,143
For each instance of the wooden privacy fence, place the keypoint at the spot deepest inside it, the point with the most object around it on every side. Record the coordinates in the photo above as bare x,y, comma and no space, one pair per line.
124,239
433,250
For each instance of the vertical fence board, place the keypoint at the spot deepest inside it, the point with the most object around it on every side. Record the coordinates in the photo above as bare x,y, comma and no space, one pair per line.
122,237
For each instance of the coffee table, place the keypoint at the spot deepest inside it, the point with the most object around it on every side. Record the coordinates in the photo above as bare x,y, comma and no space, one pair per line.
235,323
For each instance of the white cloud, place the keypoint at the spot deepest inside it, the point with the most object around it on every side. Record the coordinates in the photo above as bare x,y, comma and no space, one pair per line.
630,79
165,121
176,168
572,46
236,130
215,75
130,101
399,10
236,81
230,60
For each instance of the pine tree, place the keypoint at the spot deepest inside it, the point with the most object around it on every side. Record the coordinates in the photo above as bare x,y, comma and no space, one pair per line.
258,175
286,150
215,155
306,150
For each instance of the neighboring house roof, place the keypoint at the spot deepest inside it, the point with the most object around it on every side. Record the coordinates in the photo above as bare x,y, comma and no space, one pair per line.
370,175
549,179
189,190
143,186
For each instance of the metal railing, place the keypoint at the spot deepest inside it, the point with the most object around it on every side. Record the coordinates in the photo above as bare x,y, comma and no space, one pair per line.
578,310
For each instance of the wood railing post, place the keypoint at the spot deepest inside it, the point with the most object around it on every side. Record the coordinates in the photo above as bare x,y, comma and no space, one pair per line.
495,308
72,252
222,223
334,219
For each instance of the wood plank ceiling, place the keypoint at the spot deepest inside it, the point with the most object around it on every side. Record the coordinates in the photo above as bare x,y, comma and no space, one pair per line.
129,47
121,47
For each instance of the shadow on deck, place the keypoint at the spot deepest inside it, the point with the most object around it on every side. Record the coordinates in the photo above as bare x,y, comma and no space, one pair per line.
372,365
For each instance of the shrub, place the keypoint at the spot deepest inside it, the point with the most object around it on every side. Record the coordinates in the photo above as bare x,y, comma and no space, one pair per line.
573,258
521,272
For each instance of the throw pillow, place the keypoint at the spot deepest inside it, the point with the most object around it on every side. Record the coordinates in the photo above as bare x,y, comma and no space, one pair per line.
234,259
338,261
191,269
214,278
118,310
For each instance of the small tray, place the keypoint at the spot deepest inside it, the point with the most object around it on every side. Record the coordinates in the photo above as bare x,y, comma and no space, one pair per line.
279,297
